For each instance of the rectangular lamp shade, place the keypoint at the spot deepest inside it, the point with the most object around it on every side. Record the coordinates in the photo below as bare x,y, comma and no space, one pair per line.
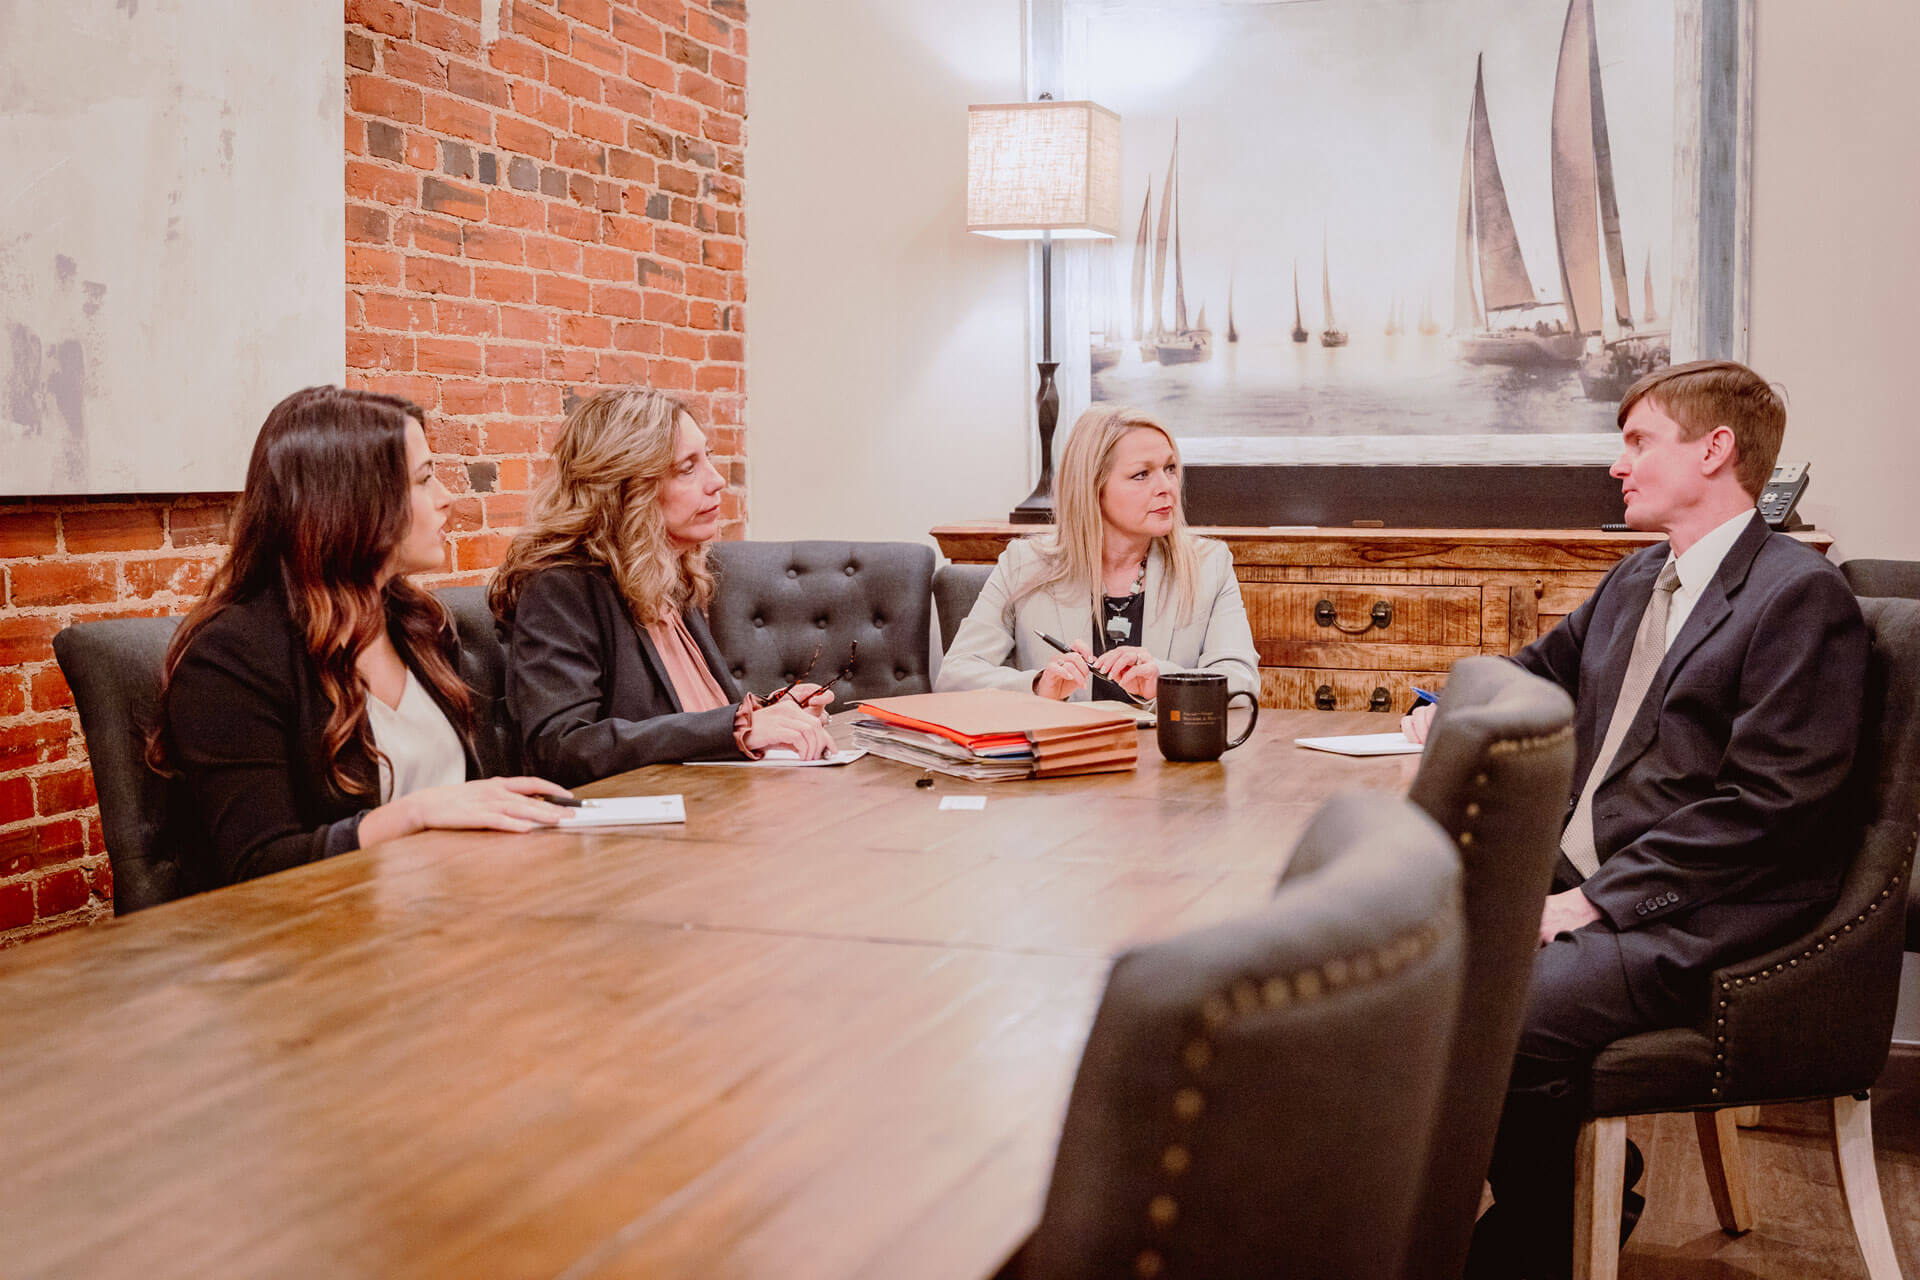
1036,167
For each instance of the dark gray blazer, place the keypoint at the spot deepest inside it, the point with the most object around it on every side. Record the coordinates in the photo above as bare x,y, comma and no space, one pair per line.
588,689
1712,822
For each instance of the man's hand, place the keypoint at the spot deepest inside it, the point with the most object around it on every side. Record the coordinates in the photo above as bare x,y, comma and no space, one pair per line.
1565,912
1415,724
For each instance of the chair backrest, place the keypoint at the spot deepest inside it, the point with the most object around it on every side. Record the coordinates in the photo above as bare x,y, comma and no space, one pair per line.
1894,578
1495,776
1899,579
776,604
483,665
1255,1098
1815,1017
113,668
955,588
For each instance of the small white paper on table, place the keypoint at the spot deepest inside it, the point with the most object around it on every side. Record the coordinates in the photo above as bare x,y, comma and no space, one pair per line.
1363,744
627,811
783,758
963,802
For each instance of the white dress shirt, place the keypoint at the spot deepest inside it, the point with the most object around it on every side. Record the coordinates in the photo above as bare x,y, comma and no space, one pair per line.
1697,567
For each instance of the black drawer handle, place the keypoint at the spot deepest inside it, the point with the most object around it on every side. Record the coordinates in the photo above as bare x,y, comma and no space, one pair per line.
1381,699
1323,698
1381,615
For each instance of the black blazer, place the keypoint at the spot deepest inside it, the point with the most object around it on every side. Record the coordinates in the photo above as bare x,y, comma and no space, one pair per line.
588,689
245,718
1716,814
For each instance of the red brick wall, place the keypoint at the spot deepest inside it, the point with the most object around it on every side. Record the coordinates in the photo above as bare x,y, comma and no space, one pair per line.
527,219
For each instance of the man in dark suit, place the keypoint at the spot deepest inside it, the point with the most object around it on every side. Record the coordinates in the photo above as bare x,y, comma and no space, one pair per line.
1717,680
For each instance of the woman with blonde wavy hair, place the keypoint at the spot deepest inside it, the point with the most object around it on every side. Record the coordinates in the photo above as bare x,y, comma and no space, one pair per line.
1120,581
610,665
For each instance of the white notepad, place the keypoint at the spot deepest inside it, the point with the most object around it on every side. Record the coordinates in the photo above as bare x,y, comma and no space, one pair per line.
1363,744
627,811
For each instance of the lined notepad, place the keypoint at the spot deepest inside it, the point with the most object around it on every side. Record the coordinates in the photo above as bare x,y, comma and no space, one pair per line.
627,811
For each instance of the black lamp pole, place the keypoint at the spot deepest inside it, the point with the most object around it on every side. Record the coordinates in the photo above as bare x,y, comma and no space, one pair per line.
1037,507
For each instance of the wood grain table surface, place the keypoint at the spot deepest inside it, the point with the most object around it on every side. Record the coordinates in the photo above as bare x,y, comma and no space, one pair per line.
823,1029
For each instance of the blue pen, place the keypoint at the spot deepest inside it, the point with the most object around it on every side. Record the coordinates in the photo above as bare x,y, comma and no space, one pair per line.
1422,698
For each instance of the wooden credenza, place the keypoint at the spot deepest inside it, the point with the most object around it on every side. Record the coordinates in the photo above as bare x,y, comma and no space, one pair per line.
1353,619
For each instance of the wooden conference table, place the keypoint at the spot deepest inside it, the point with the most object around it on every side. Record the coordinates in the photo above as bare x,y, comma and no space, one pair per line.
824,1029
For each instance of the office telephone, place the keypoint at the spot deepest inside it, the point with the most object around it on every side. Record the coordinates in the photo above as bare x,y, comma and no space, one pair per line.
1782,495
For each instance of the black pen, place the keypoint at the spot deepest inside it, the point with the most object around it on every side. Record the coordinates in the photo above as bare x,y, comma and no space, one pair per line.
565,802
1130,699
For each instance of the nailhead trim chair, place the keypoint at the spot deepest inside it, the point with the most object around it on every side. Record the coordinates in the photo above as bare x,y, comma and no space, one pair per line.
1255,1098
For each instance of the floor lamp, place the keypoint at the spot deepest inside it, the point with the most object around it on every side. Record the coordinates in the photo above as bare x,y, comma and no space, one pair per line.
1040,171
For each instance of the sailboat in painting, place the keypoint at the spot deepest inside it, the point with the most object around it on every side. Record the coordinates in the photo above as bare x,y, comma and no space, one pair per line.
1428,325
1333,335
1142,254
1183,344
1233,334
1586,219
1653,315
1489,323
1299,330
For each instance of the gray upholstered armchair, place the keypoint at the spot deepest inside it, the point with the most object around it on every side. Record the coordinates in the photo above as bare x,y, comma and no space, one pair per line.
113,668
776,604
1495,776
1255,1098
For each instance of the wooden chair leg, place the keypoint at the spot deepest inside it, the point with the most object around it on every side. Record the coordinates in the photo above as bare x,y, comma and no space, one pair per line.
1746,1117
1860,1184
1719,1137
1599,1178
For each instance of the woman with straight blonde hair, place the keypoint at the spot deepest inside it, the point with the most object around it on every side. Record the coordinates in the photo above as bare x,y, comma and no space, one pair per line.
1120,581
610,665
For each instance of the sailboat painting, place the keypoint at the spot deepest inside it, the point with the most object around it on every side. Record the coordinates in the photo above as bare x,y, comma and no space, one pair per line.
1512,156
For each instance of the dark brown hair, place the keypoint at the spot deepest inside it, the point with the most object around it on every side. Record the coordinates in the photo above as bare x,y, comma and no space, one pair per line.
327,501
1705,394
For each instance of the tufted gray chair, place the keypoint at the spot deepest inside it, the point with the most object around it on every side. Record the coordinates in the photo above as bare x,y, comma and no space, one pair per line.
1899,579
1809,1020
483,665
113,668
1255,1098
1495,775
776,604
955,588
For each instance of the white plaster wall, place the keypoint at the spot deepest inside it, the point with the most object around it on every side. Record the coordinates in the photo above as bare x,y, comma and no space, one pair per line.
172,240
1836,259
887,366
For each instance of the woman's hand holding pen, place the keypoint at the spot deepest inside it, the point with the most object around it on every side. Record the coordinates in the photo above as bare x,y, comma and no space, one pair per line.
1133,669
1065,674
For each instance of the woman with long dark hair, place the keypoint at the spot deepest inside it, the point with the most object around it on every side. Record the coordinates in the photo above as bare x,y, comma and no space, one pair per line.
610,665
311,702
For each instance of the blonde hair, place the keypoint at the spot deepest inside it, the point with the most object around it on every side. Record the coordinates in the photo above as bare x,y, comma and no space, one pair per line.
599,505
1072,555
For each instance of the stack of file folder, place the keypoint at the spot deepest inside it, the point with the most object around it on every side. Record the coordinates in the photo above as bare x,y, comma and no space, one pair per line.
992,735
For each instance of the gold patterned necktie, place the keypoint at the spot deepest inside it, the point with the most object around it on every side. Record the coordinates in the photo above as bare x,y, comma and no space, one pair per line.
1649,647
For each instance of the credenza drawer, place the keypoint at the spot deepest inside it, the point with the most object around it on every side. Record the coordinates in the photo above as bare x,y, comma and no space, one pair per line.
1327,690
1348,613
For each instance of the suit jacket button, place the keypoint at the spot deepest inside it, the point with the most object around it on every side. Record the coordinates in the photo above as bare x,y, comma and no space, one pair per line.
1640,908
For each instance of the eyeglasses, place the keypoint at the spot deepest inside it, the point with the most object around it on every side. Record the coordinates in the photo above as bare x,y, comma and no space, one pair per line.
813,662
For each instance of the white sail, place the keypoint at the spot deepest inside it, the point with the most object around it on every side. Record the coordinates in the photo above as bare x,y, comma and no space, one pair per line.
1326,284
1179,276
1652,314
1576,213
1140,266
1504,281
1160,241
1603,175
1466,304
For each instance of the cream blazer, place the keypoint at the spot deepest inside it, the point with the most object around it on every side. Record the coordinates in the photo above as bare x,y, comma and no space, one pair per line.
999,644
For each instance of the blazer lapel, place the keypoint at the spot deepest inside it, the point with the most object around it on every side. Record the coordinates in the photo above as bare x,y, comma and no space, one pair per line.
656,666
703,636
1156,632
1712,609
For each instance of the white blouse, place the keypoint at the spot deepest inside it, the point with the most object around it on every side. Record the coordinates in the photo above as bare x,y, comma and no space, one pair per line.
421,748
